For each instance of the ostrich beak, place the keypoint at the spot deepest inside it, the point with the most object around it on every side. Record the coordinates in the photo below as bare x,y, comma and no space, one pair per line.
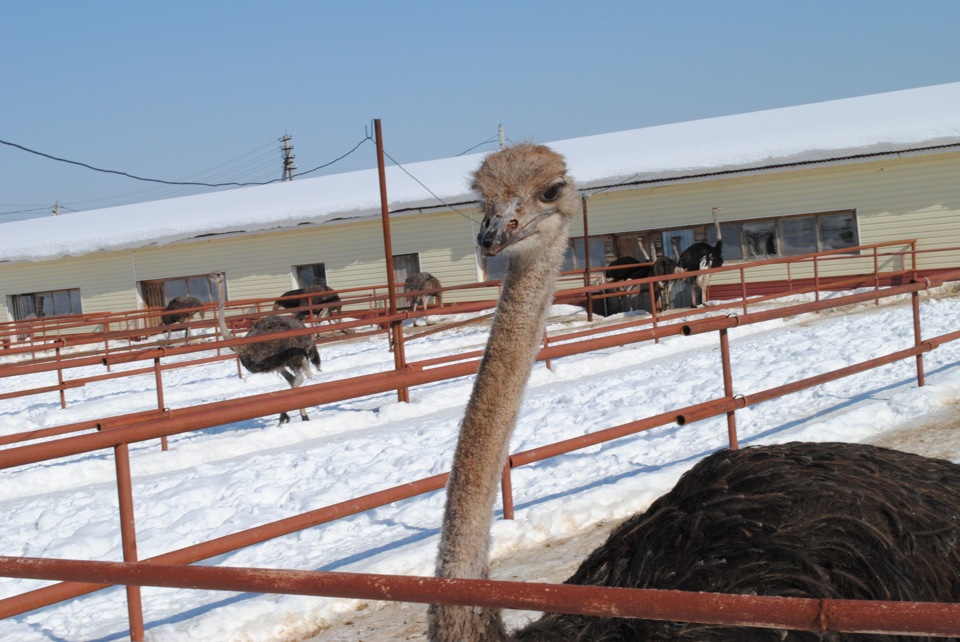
499,229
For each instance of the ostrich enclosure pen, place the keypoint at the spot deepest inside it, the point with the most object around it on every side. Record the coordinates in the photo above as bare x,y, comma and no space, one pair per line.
118,435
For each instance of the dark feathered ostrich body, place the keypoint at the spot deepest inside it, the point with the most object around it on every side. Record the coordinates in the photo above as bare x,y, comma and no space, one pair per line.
702,256
288,356
313,304
627,273
417,283
178,310
800,519
421,281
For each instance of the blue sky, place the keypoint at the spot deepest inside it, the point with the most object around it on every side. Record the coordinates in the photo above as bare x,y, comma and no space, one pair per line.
202,91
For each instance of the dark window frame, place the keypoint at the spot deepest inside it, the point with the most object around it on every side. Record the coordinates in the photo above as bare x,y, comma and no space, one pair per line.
778,245
34,305
156,293
310,274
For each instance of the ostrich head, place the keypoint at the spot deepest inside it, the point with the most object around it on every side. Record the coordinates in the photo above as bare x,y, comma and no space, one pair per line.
526,195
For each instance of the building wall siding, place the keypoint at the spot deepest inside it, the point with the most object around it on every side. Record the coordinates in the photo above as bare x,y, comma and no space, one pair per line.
895,198
104,283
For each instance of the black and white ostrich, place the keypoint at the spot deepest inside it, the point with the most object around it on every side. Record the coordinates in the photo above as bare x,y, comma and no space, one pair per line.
316,305
288,356
817,520
417,288
179,310
702,256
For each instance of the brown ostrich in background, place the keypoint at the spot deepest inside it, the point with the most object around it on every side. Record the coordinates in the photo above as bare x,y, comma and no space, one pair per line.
178,311
820,520
314,305
288,356
417,283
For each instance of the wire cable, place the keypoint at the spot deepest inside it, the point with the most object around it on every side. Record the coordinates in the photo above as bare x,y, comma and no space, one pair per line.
356,147
166,182
489,140
419,182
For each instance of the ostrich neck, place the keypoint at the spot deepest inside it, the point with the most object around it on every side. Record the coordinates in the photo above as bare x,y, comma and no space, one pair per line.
485,433
221,321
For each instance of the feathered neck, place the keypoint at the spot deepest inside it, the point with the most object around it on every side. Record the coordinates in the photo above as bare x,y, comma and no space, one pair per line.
486,429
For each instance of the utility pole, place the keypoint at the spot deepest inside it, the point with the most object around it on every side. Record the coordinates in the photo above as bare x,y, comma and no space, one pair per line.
503,140
56,209
288,157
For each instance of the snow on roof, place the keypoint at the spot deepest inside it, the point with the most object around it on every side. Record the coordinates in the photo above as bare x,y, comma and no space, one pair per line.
900,120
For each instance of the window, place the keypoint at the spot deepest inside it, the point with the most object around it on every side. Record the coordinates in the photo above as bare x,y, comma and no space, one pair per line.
575,258
799,235
838,231
495,267
405,265
674,242
786,236
313,274
51,303
159,292
759,240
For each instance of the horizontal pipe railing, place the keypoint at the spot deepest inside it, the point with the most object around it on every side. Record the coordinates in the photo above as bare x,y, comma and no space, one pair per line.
721,609
427,374
363,297
28,601
217,413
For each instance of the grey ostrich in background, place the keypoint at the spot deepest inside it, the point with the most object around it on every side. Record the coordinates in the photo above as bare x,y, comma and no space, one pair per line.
315,304
289,356
416,283
818,520
178,311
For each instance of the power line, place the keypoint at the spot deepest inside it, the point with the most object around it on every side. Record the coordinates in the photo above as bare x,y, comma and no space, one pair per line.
355,148
166,182
253,165
119,173
419,182
35,209
486,142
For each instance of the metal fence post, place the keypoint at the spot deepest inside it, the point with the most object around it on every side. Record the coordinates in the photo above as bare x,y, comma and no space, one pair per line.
128,536
917,338
506,486
728,387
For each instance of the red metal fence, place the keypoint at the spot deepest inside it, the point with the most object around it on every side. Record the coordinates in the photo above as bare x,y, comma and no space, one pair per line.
118,432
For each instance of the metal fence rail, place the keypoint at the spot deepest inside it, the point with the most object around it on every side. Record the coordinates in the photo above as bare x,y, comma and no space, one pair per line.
172,422
799,614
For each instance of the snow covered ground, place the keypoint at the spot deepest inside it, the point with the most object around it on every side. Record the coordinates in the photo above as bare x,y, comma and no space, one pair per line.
237,476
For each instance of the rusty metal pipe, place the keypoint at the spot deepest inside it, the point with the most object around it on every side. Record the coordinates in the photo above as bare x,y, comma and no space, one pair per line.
717,323
797,614
128,537
45,596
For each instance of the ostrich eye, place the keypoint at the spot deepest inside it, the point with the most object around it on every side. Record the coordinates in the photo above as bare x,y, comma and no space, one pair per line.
552,193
